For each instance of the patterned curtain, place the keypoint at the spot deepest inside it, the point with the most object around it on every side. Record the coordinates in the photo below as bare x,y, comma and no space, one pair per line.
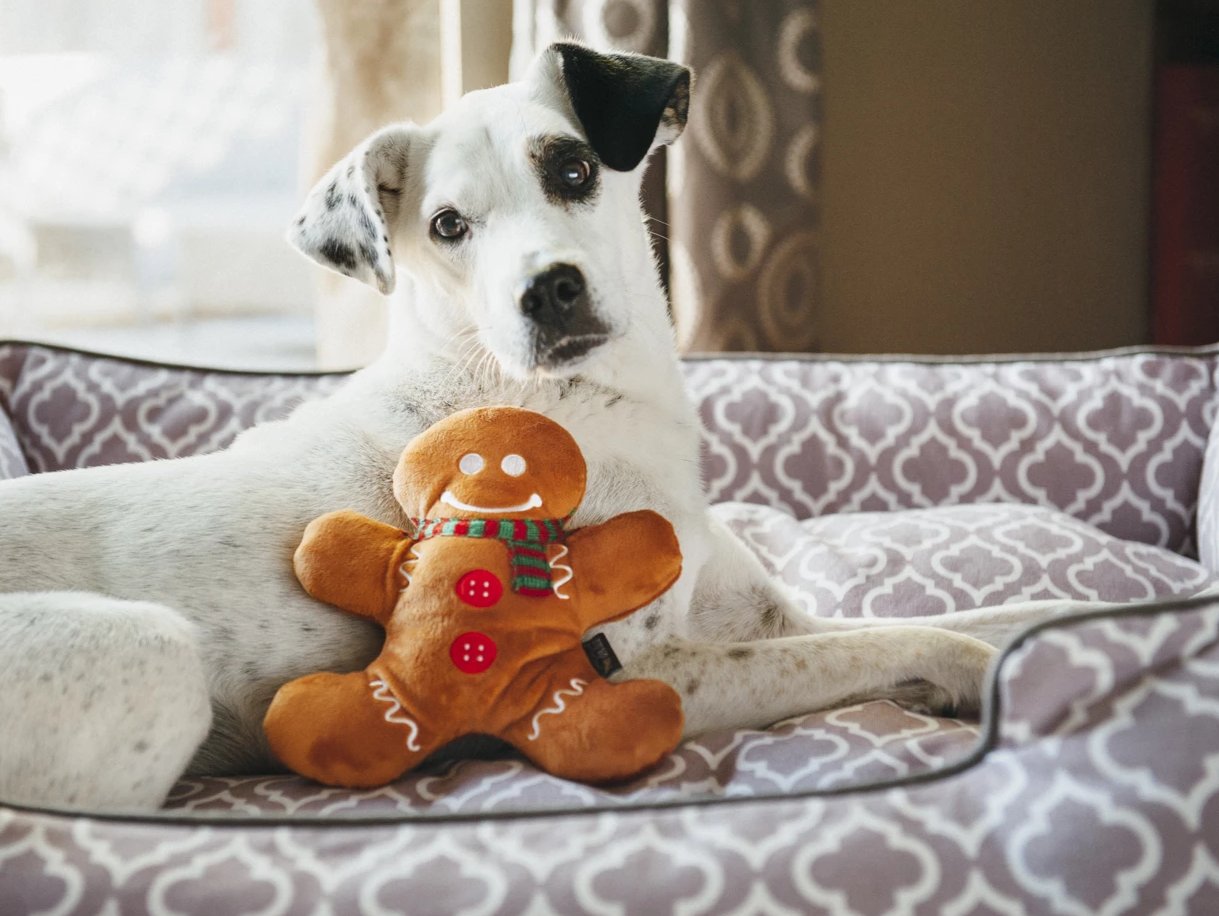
734,203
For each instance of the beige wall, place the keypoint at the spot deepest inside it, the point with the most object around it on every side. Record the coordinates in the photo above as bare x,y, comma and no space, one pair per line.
985,174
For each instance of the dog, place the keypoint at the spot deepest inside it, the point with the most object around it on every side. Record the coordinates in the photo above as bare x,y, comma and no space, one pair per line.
148,612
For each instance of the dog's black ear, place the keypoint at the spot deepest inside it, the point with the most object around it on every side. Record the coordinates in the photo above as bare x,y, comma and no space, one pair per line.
627,103
347,220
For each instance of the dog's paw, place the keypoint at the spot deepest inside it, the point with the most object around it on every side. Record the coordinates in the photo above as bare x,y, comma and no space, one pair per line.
956,682
930,699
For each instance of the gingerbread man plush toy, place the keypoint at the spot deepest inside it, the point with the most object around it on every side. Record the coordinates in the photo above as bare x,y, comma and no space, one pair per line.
484,605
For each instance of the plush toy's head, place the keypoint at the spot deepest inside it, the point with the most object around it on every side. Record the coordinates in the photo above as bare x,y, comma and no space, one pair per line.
493,461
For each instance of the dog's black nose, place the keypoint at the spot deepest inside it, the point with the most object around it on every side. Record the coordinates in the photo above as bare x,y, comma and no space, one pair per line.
552,293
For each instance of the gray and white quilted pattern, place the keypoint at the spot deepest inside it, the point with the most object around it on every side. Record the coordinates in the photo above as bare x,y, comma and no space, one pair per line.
12,462
1096,797
1208,500
1114,441
858,745
934,561
74,410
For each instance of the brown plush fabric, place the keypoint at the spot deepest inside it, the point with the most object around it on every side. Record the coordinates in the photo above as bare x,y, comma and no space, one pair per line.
465,653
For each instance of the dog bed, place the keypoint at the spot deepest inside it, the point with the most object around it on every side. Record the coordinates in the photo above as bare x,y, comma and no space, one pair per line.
872,487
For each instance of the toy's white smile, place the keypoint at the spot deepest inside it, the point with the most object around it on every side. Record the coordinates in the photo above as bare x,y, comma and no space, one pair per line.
533,502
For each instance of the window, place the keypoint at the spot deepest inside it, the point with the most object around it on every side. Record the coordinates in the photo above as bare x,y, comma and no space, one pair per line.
150,160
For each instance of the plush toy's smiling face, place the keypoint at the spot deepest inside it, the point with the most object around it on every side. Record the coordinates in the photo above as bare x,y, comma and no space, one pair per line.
491,462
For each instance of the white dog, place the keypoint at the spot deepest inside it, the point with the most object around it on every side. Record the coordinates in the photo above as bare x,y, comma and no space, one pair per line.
148,612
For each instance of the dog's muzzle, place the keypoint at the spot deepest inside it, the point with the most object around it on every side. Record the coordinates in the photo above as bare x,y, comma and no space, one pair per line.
565,327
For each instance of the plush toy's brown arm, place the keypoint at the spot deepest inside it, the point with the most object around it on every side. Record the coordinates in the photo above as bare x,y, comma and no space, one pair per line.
353,562
621,565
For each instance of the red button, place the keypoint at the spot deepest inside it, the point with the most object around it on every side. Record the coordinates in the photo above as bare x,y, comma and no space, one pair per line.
472,652
479,588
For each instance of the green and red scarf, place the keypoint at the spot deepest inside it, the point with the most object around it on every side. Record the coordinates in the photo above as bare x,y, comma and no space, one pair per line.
525,538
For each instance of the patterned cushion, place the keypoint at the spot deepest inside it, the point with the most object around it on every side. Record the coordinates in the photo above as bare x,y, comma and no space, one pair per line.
932,561
1115,439
1208,505
76,410
1096,794
12,462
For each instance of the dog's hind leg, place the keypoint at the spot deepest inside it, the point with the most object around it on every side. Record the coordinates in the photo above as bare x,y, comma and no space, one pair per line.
737,599
102,702
754,684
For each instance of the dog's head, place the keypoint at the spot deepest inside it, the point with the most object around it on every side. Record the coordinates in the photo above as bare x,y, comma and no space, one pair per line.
516,212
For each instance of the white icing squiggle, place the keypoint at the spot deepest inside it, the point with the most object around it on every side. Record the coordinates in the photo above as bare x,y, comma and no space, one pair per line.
577,688
555,564
407,566
395,714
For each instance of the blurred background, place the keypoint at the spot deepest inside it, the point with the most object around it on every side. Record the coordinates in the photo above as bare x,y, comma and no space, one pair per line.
858,176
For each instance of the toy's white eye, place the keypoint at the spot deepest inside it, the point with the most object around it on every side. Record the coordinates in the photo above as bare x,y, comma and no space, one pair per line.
513,465
471,463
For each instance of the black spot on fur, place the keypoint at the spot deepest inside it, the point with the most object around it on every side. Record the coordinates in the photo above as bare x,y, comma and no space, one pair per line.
612,400
740,654
300,220
622,99
351,170
338,254
651,621
332,195
353,201
367,229
671,652
368,254
692,686
550,155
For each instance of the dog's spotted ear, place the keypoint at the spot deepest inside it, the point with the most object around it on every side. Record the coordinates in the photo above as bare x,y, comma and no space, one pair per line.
627,103
347,220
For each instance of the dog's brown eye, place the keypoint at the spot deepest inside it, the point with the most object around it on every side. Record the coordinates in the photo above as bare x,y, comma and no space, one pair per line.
575,172
448,224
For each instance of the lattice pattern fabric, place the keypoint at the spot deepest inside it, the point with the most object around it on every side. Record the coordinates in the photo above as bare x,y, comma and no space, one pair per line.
1116,441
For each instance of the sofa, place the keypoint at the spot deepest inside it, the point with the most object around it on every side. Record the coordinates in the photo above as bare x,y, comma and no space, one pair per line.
870,487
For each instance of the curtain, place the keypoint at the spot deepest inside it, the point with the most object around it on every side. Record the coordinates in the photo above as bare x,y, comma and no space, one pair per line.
734,203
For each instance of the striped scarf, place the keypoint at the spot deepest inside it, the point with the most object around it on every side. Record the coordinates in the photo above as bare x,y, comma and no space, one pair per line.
525,538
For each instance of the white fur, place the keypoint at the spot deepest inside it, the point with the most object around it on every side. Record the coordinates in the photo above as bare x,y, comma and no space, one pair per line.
104,696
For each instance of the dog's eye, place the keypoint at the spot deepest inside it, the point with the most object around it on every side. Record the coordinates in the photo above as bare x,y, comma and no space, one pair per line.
575,173
448,224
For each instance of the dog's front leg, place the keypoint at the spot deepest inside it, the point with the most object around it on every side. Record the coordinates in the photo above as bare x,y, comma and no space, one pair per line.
102,702
754,684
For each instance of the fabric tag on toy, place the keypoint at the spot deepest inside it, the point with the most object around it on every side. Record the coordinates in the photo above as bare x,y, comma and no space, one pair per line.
601,654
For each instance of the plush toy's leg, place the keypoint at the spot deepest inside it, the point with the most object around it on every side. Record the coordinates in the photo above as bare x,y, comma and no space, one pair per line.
345,730
595,731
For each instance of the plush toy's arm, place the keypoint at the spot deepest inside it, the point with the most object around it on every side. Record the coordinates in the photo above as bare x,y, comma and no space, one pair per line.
621,565
353,562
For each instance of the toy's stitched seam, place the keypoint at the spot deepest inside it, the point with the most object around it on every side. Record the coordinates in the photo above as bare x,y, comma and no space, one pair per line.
577,688
394,714
555,564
